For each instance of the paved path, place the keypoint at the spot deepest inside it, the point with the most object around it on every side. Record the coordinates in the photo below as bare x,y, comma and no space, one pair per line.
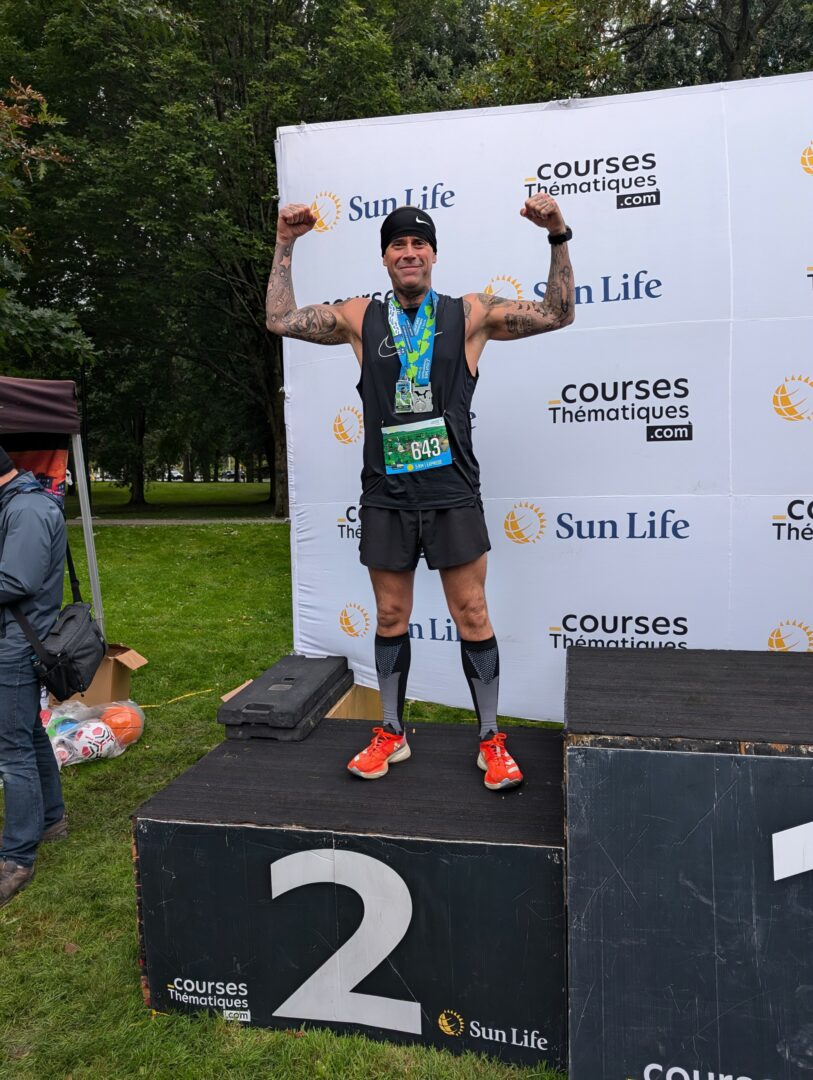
182,521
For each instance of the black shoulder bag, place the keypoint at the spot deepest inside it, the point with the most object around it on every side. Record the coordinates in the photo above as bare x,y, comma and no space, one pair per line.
71,654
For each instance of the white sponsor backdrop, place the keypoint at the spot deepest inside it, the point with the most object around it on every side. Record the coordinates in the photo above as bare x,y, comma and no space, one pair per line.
656,487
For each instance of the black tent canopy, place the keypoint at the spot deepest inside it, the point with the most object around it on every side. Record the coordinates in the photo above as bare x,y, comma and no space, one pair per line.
33,405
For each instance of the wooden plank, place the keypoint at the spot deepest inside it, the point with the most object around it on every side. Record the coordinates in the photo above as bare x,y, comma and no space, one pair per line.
359,703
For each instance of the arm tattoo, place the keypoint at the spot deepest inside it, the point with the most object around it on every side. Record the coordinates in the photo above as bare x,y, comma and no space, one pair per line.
489,300
535,317
520,325
316,323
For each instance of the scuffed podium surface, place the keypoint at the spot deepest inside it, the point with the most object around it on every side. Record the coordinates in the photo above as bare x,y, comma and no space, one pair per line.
438,793
693,693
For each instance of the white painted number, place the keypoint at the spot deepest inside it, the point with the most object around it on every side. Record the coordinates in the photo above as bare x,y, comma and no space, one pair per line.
793,851
328,993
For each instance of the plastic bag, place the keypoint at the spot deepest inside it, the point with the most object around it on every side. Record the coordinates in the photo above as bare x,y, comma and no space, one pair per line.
85,732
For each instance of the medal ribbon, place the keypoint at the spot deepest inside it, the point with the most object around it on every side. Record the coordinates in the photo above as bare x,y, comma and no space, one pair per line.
415,341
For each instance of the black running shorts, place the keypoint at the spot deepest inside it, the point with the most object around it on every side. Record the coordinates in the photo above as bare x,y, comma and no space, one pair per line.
395,539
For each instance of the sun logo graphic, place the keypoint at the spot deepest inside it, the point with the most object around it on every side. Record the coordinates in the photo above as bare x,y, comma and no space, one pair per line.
524,523
451,1023
793,399
806,160
328,209
791,636
354,620
348,425
505,286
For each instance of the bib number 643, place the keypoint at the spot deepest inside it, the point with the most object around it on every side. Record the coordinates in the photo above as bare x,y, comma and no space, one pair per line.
425,449
328,993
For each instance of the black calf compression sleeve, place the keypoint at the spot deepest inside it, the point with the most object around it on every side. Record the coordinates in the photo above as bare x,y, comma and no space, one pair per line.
481,666
392,656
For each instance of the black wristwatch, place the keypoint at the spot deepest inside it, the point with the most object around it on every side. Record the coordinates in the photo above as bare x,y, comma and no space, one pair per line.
562,237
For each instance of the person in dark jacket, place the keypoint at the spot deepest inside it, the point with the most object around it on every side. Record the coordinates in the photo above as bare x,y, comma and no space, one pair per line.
32,559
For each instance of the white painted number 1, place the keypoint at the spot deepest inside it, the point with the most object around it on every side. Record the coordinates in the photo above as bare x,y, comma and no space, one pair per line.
328,993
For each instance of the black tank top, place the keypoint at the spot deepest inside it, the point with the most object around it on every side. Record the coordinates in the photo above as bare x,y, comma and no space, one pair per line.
453,386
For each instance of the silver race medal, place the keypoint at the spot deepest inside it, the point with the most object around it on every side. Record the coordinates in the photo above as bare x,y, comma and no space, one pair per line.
422,399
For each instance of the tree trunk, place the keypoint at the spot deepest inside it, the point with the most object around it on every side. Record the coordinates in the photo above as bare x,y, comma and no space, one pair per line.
138,427
188,469
250,458
206,471
236,477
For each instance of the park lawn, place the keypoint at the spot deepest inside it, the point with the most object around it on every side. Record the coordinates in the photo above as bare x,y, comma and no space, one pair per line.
210,606
177,500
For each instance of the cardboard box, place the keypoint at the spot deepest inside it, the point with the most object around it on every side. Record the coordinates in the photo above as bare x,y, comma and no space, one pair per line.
112,681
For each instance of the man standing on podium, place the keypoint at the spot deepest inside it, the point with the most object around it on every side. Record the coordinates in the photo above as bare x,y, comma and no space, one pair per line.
420,479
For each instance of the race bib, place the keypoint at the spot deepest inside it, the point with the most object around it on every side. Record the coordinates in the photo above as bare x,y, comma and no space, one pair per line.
416,447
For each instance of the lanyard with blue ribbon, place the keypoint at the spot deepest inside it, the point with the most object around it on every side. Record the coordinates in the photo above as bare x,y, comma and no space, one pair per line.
414,341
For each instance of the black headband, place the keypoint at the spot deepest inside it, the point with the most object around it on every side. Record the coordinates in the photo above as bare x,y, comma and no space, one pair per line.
408,221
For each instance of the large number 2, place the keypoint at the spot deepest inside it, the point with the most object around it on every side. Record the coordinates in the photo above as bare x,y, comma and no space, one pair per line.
328,993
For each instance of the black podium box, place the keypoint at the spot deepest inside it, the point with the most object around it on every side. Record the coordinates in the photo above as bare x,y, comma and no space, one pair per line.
690,896
278,890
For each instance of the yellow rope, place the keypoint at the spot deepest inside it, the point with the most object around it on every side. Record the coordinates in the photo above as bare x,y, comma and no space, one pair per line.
181,697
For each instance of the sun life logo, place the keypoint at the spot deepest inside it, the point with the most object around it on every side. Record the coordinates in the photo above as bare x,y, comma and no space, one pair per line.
806,159
791,636
504,285
524,523
348,425
793,398
354,620
328,209
451,1023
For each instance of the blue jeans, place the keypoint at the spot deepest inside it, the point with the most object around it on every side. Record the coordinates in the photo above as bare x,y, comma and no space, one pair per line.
28,768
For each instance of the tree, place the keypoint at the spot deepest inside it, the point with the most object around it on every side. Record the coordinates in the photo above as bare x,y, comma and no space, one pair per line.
248,68
33,340
163,235
549,49
688,42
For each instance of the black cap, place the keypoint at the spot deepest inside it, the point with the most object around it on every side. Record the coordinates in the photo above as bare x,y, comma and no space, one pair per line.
408,221
6,464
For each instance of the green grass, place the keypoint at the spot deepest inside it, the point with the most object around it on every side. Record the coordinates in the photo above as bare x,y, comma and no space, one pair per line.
210,606
177,500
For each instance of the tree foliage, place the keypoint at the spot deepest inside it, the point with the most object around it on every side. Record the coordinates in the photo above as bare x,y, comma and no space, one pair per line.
158,233
31,338
688,42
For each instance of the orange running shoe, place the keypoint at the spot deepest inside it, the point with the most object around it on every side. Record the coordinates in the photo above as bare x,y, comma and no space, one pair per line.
384,750
500,768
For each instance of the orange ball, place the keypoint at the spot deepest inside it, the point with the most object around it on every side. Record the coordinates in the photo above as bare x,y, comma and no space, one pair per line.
125,721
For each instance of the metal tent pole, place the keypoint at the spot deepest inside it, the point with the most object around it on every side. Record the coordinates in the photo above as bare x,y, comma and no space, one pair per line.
87,529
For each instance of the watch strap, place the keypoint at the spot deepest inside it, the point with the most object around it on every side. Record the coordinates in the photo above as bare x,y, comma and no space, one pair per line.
561,238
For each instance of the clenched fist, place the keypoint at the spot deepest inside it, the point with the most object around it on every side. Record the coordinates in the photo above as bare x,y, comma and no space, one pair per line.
294,220
544,211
